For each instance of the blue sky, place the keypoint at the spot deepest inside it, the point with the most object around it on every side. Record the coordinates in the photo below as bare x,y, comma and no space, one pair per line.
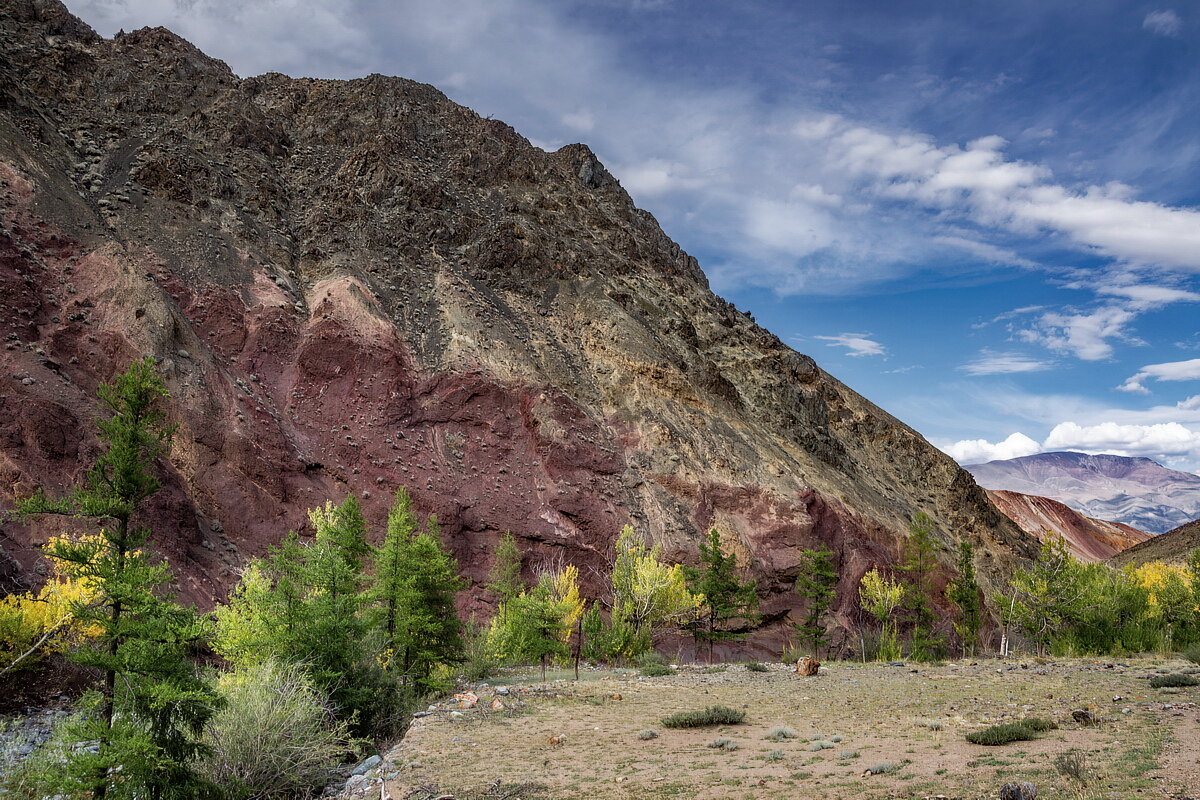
983,216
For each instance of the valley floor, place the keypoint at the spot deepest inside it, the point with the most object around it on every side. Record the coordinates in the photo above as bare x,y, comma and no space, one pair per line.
579,739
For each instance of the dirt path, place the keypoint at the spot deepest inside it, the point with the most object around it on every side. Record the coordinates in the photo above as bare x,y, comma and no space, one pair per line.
580,739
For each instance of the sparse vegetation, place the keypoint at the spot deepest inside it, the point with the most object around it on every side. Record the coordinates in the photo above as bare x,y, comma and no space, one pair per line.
755,666
1002,734
881,768
1172,680
1073,764
723,743
647,734
781,733
709,717
657,670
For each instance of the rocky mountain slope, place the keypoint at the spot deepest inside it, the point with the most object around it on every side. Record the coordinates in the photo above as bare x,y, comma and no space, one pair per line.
358,285
1089,539
1172,547
1138,492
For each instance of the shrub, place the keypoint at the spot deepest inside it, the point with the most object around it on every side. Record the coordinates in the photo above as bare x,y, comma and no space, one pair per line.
1174,679
846,755
1193,653
480,663
729,745
755,666
882,768
1039,724
647,734
651,658
781,733
931,724
1002,734
711,716
775,755
1073,764
824,744
657,670
276,738
792,654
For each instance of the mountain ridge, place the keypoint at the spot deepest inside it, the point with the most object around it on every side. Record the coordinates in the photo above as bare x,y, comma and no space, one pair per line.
357,285
1136,491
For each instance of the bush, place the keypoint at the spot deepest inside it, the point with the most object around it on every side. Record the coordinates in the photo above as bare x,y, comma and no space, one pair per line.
755,666
882,768
775,755
781,733
1073,764
824,744
657,670
650,658
1193,653
728,745
931,724
846,755
709,717
648,734
1039,724
1003,734
479,661
1174,679
275,738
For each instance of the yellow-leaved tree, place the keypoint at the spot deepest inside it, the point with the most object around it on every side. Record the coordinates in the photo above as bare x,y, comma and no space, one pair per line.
648,593
35,624
880,596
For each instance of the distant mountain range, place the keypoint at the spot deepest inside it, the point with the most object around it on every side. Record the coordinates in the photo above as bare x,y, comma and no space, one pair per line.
1138,492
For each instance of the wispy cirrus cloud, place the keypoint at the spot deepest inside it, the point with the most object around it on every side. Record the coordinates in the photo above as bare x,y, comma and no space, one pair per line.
990,362
1164,23
856,344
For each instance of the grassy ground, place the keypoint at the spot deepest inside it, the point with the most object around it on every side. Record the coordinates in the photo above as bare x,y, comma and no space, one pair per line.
579,739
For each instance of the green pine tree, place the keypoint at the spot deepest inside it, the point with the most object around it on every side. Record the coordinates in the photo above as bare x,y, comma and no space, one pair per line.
920,561
504,578
725,597
965,595
152,703
415,584
817,584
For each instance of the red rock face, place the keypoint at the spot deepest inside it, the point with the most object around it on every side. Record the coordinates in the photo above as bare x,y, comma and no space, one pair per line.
357,286
1089,539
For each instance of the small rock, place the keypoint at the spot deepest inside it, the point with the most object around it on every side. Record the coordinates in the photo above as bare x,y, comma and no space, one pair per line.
367,766
1018,791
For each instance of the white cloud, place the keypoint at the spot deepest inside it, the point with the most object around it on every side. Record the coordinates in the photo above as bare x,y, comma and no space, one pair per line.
1164,23
1169,371
749,182
856,344
1155,441
976,451
993,363
1084,335
1145,296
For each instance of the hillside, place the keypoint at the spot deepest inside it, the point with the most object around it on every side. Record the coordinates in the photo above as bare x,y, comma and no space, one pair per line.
1089,539
1138,492
1172,547
357,285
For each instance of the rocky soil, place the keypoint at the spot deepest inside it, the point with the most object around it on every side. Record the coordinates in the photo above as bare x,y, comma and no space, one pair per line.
360,285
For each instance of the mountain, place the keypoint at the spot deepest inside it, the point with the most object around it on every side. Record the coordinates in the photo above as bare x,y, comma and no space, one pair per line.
352,286
1172,547
1135,491
1089,539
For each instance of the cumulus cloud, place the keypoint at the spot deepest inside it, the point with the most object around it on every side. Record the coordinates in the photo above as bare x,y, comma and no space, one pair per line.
977,451
1170,371
993,363
1164,23
1161,440
856,344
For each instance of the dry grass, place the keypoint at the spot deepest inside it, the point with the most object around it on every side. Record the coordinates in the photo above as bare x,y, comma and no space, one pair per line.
869,708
